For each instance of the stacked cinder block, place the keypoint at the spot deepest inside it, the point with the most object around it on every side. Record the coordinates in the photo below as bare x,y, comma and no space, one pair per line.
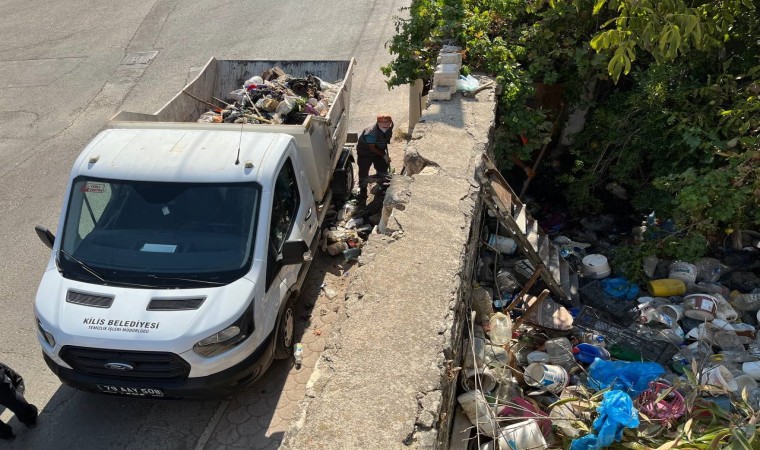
446,73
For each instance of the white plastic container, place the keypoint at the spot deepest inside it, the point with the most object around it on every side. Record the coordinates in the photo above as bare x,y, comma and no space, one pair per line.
487,382
683,271
752,369
546,376
502,244
721,377
522,436
501,328
596,266
480,414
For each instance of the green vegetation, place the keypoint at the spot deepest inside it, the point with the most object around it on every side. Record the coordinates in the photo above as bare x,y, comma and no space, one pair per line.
672,87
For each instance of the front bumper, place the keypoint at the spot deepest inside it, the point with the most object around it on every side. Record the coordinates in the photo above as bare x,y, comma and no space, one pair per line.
220,384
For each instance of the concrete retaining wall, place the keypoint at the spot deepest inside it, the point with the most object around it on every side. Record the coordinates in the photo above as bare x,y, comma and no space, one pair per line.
387,376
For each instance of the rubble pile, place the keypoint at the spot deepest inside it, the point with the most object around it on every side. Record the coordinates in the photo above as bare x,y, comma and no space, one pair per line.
670,362
274,98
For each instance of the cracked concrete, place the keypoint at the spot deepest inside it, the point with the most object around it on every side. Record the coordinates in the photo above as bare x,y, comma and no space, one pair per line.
384,378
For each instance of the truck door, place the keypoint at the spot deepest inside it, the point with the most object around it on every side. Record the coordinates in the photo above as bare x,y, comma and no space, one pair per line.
287,222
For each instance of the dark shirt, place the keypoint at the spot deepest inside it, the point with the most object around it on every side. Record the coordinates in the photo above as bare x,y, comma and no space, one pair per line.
373,135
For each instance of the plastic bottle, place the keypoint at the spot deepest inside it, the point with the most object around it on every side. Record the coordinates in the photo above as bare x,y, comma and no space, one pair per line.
482,303
298,354
560,352
618,352
586,353
502,244
666,287
747,302
501,328
728,341
586,337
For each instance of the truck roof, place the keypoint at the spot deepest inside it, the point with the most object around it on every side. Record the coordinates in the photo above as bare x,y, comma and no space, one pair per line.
181,155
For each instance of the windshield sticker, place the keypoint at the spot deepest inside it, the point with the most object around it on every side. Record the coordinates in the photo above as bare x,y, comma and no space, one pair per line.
128,326
97,188
158,248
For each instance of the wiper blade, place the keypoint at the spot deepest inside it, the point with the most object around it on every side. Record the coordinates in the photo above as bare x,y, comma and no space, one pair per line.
92,272
85,267
192,280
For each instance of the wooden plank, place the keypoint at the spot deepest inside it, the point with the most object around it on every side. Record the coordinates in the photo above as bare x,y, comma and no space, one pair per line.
564,274
541,297
543,249
532,233
520,216
575,297
504,195
521,296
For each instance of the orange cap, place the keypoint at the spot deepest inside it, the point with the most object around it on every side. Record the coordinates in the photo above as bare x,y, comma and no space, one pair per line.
384,118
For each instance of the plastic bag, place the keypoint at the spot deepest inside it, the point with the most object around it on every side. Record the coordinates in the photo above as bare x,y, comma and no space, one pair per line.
238,95
467,83
710,269
615,414
630,377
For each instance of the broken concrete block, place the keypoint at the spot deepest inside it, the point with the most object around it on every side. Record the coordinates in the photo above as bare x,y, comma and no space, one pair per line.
450,58
450,49
440,93
445,81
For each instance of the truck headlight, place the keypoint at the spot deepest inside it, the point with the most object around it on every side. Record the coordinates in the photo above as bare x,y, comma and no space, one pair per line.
228,338
46,334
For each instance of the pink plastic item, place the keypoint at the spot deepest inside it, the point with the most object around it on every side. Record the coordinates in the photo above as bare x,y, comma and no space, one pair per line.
519,408
669,408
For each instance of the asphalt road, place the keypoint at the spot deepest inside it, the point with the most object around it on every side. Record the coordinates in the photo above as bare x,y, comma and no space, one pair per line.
61,77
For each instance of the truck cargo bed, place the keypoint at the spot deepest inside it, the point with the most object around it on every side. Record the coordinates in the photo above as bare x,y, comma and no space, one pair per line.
319,139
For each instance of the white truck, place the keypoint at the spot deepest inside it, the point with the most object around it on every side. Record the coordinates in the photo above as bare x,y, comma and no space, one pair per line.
182,246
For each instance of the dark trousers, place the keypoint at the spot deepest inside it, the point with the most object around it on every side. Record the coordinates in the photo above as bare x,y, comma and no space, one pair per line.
15,402
367,160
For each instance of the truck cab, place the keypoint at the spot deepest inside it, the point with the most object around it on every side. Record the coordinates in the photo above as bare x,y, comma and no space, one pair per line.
177,262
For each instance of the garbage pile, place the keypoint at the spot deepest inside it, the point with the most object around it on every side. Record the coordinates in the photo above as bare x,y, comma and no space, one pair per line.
673,362
348,231
274,98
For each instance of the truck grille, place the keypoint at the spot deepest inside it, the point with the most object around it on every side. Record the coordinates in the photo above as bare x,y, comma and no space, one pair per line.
144,365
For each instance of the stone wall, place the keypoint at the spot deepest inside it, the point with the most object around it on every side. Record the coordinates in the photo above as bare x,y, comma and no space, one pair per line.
387,377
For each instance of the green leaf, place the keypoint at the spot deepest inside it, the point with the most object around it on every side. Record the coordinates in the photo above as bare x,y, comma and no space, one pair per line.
740,441
598,6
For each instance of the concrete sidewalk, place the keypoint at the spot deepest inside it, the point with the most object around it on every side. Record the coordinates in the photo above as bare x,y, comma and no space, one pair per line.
385,379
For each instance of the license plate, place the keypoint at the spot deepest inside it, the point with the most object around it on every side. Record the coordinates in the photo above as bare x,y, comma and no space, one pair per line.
131,391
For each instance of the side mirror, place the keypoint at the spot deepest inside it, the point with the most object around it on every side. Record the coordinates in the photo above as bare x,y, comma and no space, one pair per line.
295,252
45,235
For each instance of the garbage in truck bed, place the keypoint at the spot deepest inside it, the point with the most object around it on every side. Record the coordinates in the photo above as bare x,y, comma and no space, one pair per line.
670,361
274,97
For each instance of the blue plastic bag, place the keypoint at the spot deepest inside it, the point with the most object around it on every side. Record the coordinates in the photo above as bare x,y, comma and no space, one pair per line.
615,414
630,377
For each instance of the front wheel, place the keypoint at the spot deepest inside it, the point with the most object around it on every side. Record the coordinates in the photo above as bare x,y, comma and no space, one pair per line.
286,330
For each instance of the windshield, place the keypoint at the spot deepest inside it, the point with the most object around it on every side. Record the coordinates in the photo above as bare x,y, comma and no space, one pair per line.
154,234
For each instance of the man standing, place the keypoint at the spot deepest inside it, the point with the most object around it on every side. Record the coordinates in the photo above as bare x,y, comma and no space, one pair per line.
12,397
372,150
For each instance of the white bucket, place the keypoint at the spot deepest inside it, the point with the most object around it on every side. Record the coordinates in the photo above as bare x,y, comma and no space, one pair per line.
683,271
752,369
546,376
596,266
502,244
522,436
487,381
480,414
